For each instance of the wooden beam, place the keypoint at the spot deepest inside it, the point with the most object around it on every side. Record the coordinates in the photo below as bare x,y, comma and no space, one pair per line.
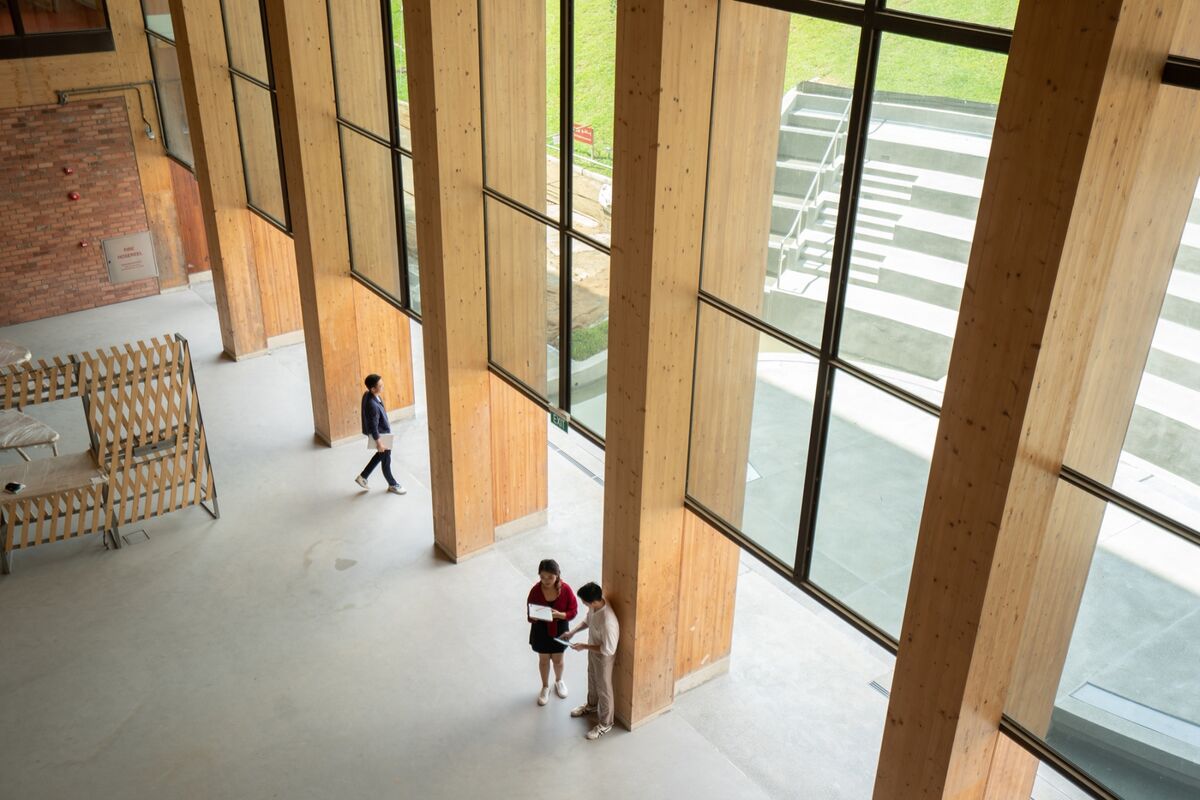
1143,258
208,95
1071,133
665,51
442,38
341,323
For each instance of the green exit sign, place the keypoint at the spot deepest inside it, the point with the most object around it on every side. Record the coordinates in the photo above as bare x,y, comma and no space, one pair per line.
560,419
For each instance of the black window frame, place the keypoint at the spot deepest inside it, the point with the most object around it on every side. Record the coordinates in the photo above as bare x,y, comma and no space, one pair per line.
20,44
397,152
151,37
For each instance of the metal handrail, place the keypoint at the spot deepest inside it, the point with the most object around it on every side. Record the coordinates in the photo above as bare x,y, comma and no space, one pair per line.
828,158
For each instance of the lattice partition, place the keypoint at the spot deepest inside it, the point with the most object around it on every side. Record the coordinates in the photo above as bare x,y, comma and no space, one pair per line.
37,382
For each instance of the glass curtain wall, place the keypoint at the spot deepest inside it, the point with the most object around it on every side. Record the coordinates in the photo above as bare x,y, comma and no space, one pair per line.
371,86
846,162
168,84
1126,706
548,72
254,99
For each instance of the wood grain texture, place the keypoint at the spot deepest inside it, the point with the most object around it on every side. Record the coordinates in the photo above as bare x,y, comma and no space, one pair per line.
519,483
384,347
208,96
35,81
442,37
1070,133
1142,262
278,286
707,594
665,51
191,219
359,64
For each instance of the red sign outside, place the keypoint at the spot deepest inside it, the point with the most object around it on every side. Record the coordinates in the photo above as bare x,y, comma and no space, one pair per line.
583,134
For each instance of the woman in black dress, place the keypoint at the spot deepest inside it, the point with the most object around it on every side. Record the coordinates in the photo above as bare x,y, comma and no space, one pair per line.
551,591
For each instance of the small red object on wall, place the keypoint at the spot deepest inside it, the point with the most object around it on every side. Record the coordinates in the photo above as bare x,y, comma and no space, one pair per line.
83,244
68,170
73,195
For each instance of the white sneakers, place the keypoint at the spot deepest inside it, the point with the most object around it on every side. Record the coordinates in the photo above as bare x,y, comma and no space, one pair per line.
598,731
583,710
361,481
397,489
560,689
544,696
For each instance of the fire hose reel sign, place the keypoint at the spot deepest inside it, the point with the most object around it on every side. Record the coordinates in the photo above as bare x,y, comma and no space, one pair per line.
130,258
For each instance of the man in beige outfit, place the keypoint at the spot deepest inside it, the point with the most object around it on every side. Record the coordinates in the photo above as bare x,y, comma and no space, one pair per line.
603,632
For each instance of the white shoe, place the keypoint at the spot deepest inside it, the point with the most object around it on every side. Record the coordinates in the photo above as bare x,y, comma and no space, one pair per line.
560,689
397,489
361,481
598,731
544,696
583,711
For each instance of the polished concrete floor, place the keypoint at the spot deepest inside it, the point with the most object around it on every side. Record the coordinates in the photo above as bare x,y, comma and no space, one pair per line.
312,644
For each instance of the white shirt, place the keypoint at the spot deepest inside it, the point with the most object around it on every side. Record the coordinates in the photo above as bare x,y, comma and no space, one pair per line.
603,629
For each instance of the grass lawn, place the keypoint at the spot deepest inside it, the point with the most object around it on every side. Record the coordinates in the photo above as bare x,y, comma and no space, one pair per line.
817,50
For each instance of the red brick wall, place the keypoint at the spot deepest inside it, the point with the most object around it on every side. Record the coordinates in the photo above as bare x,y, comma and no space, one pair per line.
43,270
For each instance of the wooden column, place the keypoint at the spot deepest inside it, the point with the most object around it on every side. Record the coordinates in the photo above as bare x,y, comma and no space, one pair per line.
1073,131
348,332
207,93
751,59
442,38
1143,258
664,94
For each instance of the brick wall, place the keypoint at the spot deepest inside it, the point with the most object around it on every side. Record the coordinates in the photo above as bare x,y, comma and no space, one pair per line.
43,269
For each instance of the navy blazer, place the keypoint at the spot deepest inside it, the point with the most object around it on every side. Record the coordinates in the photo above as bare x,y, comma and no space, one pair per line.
374,416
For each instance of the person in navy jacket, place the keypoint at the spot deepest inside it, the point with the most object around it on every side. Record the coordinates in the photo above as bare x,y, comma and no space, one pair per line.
379,435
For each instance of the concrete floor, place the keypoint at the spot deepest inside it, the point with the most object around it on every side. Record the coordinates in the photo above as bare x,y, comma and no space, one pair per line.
311,643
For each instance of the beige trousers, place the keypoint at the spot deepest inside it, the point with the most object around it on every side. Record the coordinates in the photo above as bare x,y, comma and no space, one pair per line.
600,693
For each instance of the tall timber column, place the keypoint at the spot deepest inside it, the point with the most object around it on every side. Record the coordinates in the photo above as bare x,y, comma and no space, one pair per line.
1074,129
348,332
664,82
208,96
444,108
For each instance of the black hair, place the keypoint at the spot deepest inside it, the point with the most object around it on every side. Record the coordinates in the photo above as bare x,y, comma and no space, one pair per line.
551,566
590,592
372,380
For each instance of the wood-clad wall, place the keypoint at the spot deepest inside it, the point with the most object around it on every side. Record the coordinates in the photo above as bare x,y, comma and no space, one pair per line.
708,570
1054,205
35,81
191,219
663,98
519,485
384,347
275,255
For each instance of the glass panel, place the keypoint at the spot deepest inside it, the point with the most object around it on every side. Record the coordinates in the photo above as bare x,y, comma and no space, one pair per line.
260,156
177,136
1127,705
775,175
520,66
595,77
751,416
997,13
158,17
877,459
523,279
356,33
245,38
930,130
410,236
589,335
401,66
1160,460
371,211
58,16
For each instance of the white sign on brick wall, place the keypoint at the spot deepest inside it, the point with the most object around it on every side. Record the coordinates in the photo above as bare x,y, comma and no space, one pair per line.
130,258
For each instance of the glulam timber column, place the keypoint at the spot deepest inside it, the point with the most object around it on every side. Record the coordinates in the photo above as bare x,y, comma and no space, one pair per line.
513,37
442,39
665,52
751,60
1143,257
1073,130
204,65
348,332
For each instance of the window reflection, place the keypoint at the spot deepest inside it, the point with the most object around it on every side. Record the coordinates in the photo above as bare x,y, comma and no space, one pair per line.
256,124
589,335
371,211
169,84
60,16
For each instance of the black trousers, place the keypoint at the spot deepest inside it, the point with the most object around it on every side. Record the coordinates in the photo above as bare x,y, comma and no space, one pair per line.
384,458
